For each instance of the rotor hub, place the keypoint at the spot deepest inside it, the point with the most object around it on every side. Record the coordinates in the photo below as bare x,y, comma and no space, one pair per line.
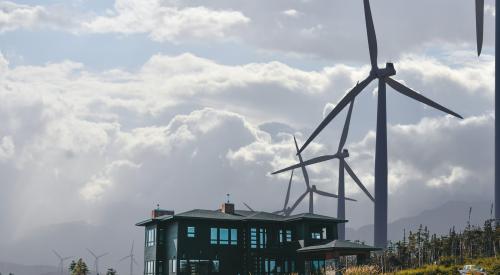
388,71
345,153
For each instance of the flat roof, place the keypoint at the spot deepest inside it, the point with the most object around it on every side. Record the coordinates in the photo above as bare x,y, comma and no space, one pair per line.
338,245
240,215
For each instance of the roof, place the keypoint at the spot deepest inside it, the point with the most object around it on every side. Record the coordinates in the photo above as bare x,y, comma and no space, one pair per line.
240,215
338,245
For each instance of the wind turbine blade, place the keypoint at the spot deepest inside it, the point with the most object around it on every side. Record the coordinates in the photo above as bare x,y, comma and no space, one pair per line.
299,200
339,107
479,25
279,212
90,251
102,255
124,258
249,208
57,254
372,37
343,138
67,258
357,181
308,162
135,262
304,170
287,198
326,194
411,93
132,249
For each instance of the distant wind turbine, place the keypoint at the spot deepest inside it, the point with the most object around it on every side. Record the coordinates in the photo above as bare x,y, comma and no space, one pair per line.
384,77
96,260
131,256
310,189
61,261
341,155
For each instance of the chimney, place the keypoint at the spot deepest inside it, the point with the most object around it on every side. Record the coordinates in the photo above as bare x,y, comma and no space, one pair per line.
227,208
161,212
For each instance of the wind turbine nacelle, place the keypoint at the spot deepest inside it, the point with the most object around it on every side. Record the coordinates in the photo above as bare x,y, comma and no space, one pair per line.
388,71
345,153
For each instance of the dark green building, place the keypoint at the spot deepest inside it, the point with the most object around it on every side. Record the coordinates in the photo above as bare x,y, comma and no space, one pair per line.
230,242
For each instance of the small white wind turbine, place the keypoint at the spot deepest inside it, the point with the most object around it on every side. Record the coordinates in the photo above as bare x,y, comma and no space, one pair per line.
96,260
61,261
131,256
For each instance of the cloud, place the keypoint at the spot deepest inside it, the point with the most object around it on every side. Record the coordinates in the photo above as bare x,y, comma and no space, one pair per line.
18,16
166,23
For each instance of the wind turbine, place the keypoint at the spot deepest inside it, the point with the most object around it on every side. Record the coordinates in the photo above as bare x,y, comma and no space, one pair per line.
96,261
132,259
384,77
341,155
61,261
310,189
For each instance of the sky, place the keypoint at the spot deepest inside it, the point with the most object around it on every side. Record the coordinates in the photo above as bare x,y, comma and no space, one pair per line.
109,108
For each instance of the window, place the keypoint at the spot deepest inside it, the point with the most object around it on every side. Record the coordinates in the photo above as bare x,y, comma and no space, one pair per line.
253,237
262,238
289,235
150,268
150,237
183,265
316,236
213,236
285,236
234,236
258,238
191,231
215,266
174,265
223,236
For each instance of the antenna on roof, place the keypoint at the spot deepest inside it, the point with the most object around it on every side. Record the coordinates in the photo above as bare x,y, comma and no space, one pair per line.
228,195
158,206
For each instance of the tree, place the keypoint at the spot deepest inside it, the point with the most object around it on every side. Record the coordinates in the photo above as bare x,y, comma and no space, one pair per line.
111,271
78,268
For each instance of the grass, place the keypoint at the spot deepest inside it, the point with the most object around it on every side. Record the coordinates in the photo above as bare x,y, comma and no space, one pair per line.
490,265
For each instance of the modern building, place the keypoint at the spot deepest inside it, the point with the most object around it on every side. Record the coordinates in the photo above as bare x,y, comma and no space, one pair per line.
230,242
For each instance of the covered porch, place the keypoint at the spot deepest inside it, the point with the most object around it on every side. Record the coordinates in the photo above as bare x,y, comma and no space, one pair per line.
334,255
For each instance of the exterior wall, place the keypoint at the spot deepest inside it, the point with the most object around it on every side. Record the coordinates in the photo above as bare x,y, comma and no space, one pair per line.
174,244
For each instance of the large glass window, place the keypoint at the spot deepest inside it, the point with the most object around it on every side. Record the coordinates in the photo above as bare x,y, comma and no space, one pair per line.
213,235
288,235
150,237
191,231
234,236
258,238
223,236
150,268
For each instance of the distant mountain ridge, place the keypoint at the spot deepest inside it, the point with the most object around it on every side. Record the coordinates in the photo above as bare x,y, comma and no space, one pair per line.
20,269
438,220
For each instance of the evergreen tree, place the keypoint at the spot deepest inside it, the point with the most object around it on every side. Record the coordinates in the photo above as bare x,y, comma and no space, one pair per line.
111,271
78,268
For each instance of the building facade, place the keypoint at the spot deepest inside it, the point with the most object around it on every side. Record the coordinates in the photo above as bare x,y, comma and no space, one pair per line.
229,241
